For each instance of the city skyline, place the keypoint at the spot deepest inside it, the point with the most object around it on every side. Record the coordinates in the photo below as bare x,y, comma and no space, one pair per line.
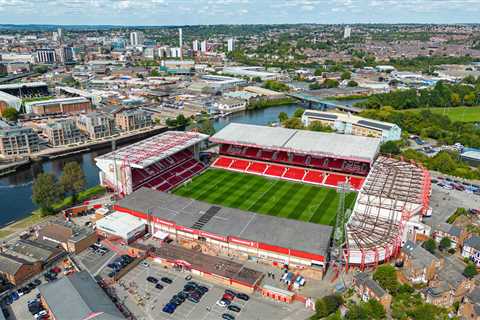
198,12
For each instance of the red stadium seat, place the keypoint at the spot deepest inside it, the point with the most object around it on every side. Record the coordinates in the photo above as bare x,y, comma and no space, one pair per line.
240,165
294,174
334,179
299,159
275,170
356,182
251,152
313,176
223,162
257,167
266,154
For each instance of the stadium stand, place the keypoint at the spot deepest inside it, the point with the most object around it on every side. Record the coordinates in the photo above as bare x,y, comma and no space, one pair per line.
160,162
325,151
387,212
278,171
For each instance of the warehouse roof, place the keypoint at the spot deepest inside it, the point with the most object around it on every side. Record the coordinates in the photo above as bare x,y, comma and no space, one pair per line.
285,233
79,297
300,141
119,223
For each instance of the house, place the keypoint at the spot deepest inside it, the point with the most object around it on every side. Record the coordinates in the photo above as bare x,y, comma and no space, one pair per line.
17,270
419,265
71,237
46,253
367,289
455,234
448,286
470,307
26,258
78,297
471,249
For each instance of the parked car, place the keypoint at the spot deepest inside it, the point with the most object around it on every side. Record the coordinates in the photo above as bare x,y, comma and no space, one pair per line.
228,296
234,308
145,264
223,303
152,279
228,316
202,289
166,280
169,308
159,286
230,292
243,296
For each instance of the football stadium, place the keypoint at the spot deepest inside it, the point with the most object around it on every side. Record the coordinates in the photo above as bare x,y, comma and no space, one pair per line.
272,194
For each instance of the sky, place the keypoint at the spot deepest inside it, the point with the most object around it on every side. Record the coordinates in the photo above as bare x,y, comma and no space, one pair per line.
194,12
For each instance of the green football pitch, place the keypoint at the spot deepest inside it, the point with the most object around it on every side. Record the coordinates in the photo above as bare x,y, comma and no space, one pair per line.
267,196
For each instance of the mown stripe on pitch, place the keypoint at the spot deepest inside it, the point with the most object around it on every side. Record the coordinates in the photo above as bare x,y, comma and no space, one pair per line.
265,197
280,188
303,204
233,184
280,208
248,193
322,209
203,193
200,186
188,188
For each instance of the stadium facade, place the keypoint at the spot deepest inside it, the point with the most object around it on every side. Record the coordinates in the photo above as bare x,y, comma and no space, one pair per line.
160,162
393,195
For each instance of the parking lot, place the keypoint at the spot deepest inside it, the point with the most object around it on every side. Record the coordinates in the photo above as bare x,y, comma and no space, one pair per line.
142,298
93,261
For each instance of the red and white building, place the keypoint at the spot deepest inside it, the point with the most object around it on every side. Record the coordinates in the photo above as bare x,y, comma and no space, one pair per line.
232,232
160,162
325,159
388,211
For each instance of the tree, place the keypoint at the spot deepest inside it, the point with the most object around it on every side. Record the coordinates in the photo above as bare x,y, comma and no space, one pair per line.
330,83
293,123
455,99
318,126
445,243
346,75
352,83
282,116
375,309
327,305
45,192
206,127
10,114
430,246
40,69
390,147
469,99
276,86
470,270
72,179
386,277
298,112
154,73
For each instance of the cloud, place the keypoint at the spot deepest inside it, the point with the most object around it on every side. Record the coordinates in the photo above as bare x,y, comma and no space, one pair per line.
235,11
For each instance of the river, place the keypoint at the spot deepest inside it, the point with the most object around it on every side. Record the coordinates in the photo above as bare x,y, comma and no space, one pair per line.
16,190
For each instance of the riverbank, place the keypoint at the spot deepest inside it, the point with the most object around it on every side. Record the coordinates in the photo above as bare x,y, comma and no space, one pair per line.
36,217
262,104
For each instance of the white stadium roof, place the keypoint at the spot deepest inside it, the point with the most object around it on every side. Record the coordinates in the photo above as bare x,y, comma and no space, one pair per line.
300,141
148,151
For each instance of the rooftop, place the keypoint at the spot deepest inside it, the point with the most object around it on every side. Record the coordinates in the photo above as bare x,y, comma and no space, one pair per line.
21,85
148,151
286,233
119,222
79,297
300,141
210,264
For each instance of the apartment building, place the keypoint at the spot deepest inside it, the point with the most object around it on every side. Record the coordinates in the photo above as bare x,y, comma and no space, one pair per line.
96,125
132,119
354,125
63,132
59,106
17,141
